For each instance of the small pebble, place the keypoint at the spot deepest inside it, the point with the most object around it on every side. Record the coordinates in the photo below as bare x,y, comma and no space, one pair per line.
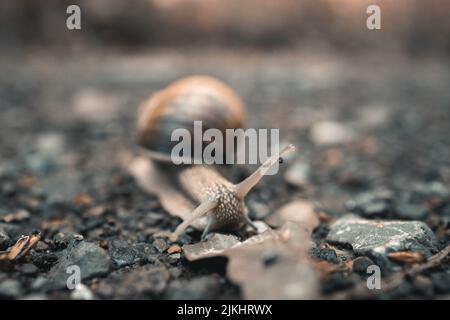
78,237
173,258
10,288
82,292
41,246
160,245
174,249
360,264
28,269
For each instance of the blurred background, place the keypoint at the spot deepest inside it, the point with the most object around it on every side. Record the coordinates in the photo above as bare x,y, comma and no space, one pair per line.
68,98
413,25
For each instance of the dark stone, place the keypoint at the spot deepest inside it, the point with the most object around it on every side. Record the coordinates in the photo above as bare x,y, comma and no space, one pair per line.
5,241
10,288
160,244
8,233
8,189
200,288
90,258
174,258
337,282
441,282
326,254
423,285
143,282
41,246
372,203
44,260
360,264
123,254
411,211
258,210
104,290
28,269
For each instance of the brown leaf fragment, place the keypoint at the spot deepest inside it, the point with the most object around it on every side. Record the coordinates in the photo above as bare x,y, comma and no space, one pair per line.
174,249
19,215
20,248
271,265
277,268
326,268
407,257
154,182
84,200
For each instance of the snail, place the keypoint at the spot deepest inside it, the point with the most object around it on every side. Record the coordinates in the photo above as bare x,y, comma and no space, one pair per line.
217,106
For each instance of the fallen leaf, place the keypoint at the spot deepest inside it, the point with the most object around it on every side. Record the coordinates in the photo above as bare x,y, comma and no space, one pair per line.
19,215
154,182
326,268
407,257
274,264
290,276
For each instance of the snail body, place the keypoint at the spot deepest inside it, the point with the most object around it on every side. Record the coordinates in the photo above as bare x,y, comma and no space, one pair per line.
208,100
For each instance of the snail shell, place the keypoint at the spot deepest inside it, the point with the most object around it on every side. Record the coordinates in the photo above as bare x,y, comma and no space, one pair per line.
195,98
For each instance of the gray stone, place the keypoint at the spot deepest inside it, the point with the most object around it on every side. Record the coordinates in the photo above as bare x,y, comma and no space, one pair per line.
10,288
411,211
90,258
360,264
4,239
377,238
160,244
325,133
372,203
174,258
123,254
203,287
258,210
142,282
38,283
7,233
298,174
28,269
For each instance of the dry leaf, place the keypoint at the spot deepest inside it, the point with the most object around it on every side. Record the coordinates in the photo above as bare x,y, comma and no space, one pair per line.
272,264
407,257
151,181
20,248
19,215
276,268
326,268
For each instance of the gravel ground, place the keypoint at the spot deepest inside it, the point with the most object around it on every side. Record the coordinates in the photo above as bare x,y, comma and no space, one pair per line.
373,139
